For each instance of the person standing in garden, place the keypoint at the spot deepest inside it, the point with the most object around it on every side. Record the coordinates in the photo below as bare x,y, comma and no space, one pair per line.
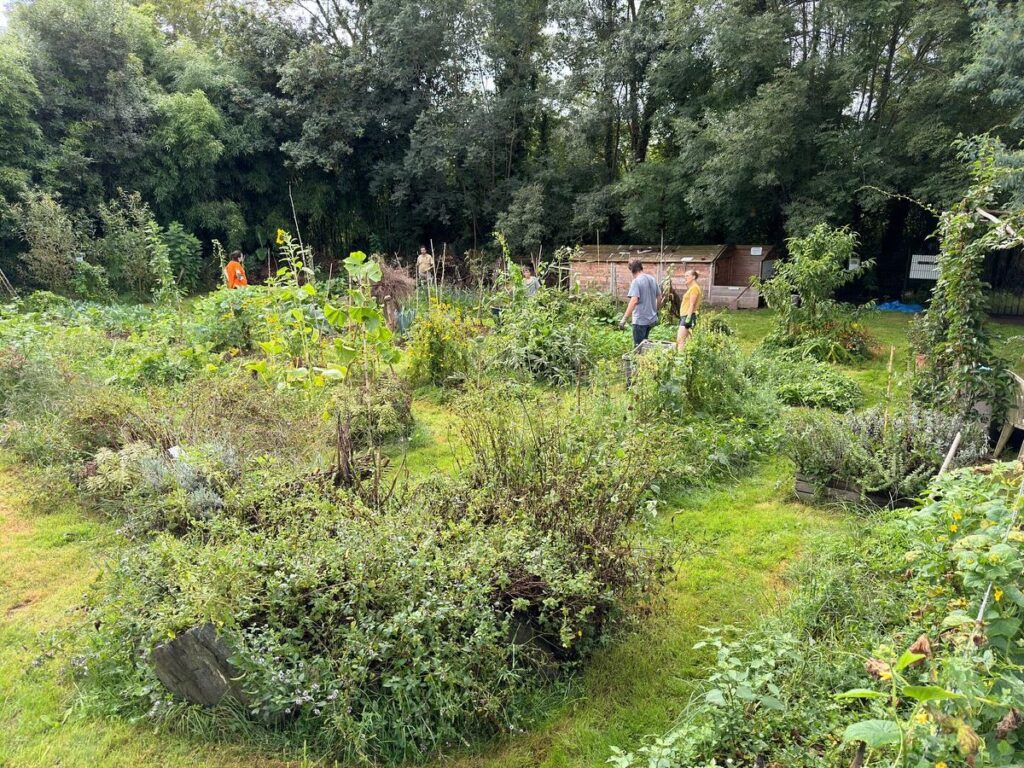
530,282
644,296
424,265
234,271
689,308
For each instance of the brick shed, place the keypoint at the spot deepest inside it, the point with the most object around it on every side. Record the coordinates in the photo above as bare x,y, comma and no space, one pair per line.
723,271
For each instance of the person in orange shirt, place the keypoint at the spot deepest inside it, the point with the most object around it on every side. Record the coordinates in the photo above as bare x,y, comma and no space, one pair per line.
235,270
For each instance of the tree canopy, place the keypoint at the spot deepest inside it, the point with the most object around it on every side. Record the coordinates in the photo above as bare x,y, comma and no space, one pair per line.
387,123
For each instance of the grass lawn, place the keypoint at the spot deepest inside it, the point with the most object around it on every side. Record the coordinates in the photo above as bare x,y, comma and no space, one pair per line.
733,544
46,563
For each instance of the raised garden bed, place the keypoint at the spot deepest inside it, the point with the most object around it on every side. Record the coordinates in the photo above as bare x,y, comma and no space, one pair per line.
837,490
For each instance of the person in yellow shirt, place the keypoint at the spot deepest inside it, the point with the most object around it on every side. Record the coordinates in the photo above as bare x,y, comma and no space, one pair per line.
689,308
424,266
234,271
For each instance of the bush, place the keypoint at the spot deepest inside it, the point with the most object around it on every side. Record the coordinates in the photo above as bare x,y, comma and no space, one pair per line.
229,319
382,629
804,382
122,247
184,252
440,347
706,381
375,414
57,245
555,336
879,451
801,296
148,489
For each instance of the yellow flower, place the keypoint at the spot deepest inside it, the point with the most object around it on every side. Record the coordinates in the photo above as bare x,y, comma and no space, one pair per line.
280,236
957,516
953,528
998,594
941,764
922,718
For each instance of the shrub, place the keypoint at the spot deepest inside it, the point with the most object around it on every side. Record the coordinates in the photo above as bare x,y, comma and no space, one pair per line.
374,414
804,382
706,380
801,295
555,336
122,246
440,347
878,451
45,301
229,319
185,255
382,629
57,245
148,489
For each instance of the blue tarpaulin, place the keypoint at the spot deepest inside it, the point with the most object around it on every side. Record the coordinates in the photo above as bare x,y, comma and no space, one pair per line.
899,306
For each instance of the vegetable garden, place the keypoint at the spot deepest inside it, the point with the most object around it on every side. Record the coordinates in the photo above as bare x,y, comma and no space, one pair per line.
436,545
283,485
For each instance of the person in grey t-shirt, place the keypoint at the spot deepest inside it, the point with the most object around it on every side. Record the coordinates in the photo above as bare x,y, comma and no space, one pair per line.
644,296
530,281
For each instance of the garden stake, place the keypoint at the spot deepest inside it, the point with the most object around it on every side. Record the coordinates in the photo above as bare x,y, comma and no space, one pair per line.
295,218
6,285
888,389
950,453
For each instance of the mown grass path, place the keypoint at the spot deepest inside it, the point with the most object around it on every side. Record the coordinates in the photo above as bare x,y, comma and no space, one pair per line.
46,564
733,545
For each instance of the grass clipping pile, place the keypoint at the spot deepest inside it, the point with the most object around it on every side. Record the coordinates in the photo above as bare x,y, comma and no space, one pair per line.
381,626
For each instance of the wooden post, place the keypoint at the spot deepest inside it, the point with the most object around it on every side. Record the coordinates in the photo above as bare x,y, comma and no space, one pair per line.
950,453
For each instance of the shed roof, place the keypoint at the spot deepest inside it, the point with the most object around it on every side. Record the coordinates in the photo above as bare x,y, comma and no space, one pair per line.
672,254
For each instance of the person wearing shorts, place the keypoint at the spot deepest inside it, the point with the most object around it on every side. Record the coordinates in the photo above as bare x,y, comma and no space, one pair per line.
689,309
644,296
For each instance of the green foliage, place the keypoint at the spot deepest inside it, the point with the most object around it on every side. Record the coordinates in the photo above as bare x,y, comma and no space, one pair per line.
382,629
440,346
802,381
768,695
556,337
956,693
229,319
523,224
20,137
309,338
893,453
961,369
704,381
57,244
666,123
185,254
887,620
374,415
801,294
